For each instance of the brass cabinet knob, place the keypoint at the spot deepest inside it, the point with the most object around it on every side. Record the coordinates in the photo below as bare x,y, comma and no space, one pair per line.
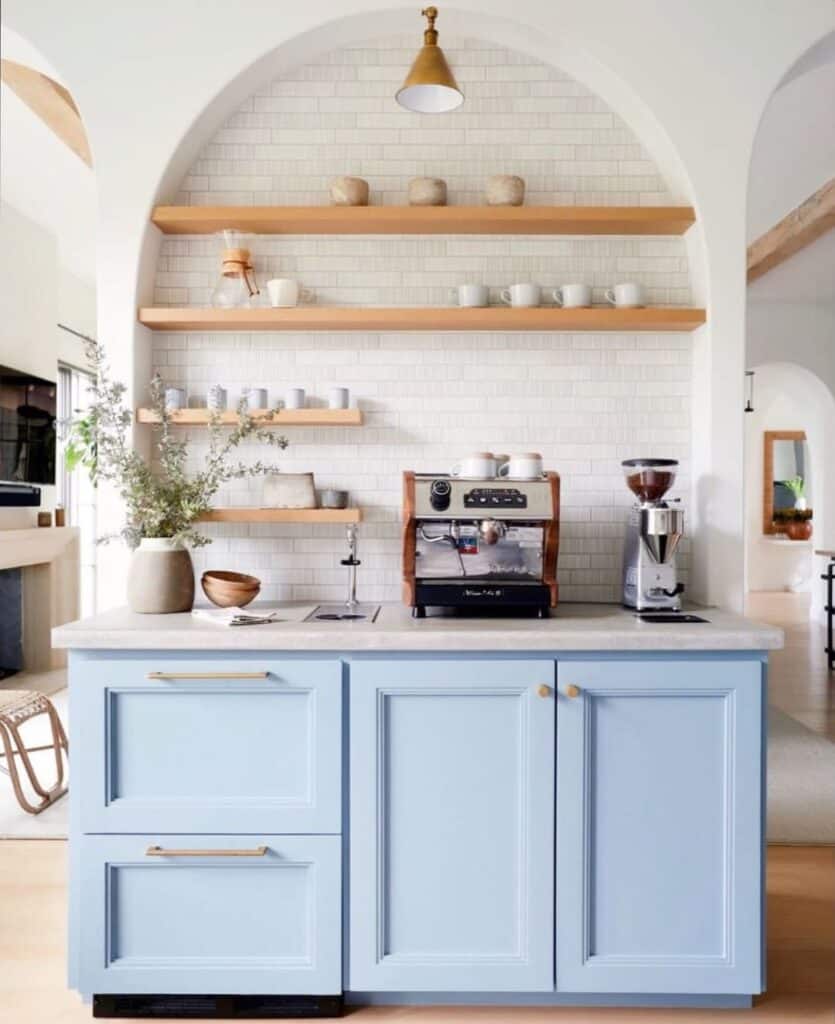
572,691
543,690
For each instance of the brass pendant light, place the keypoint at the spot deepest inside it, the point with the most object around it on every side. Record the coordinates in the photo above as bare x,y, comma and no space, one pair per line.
430,86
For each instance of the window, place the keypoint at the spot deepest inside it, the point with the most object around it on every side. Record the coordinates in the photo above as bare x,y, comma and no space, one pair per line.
74,490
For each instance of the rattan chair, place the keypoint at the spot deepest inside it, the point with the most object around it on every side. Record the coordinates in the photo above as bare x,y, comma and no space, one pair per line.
16,708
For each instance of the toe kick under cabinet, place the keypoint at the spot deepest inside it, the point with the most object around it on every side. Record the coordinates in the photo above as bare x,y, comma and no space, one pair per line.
494,828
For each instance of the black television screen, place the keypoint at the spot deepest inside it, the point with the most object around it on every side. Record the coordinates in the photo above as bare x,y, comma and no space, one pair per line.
27,428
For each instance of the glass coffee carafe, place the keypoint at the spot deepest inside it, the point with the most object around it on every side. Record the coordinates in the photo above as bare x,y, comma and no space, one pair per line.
236,287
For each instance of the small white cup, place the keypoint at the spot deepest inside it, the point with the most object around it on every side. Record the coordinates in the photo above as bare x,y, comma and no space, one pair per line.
284,292
572,296
525,466
175,398
478,466
470,296
255,398
339,398
626,296
294,398
522,295
216,398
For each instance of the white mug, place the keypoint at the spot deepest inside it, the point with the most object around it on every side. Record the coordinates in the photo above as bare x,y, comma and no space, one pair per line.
521,295
478,466
294,398
175,398
572,296
471,295
283,292
526,466
626,296
216,398
339,398
255,398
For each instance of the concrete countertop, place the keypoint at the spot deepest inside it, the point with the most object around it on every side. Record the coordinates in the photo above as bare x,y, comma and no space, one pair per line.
572,627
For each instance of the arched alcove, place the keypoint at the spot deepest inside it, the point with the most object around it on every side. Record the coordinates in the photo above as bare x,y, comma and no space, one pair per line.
585,401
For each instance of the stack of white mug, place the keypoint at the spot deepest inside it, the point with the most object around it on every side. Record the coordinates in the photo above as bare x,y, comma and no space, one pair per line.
487,466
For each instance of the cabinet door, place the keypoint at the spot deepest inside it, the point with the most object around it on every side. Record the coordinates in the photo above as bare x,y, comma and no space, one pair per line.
659,837
452,797
219,743
217,914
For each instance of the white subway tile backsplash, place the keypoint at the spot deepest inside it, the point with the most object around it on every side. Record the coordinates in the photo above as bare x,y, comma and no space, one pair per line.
585,401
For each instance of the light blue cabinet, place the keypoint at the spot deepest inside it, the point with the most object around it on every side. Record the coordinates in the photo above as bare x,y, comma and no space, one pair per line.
265,922
169,743
452,825
659,798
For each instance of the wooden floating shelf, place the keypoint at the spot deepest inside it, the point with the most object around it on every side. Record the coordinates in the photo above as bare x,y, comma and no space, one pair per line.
423,318
282,515
426,220
282,418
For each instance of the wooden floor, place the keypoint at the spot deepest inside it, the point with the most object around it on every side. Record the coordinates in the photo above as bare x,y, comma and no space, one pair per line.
799,681
801,951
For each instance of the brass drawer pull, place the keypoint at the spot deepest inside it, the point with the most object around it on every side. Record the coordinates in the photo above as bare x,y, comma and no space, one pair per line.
572,691
208,675
159,851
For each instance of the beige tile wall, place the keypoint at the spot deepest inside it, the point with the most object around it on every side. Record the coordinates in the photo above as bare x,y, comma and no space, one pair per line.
586,401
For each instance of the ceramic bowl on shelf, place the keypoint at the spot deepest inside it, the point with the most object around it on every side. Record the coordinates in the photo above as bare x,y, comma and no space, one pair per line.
229,589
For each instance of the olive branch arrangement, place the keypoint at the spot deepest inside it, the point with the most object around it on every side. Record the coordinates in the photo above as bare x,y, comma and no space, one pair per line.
161,499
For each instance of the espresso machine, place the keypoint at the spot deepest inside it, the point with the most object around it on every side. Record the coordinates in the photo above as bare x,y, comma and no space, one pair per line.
653,532
486,544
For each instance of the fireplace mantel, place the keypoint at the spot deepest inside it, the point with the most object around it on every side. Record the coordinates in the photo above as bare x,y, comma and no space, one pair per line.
49,560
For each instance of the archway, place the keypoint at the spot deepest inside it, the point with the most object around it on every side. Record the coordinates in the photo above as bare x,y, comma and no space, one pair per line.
780,573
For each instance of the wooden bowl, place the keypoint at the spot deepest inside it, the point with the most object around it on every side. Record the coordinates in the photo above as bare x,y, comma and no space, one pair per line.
230,589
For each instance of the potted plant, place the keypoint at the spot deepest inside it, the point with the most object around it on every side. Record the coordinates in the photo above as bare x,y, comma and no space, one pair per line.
163,501
796,523
797,486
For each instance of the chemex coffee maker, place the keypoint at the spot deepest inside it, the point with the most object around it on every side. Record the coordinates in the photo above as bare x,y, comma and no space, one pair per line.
653,532
480,544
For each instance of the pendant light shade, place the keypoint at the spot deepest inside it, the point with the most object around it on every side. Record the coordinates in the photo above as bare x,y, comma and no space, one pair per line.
430,86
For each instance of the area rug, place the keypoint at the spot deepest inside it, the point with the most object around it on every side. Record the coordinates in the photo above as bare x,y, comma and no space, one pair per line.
801,783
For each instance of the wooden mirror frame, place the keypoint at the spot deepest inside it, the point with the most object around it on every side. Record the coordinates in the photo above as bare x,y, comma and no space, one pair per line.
769,437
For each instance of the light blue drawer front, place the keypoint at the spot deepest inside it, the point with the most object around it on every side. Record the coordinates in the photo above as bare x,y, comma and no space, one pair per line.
452,826
215,753
659,839
217,924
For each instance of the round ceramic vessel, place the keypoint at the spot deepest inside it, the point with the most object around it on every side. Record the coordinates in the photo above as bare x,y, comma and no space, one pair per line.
160,578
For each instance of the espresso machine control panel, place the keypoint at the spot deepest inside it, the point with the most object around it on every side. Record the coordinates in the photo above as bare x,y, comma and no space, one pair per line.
442,497
492,497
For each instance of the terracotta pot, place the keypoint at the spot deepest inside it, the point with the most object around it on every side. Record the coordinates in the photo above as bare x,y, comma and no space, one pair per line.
799,529
160,578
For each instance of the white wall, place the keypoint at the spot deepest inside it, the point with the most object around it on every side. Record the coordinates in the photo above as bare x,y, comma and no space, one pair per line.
673,71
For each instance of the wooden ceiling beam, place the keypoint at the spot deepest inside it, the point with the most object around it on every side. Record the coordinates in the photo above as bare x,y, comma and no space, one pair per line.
51,102
813,218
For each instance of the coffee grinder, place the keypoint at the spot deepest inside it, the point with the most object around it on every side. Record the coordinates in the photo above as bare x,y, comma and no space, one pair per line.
653,532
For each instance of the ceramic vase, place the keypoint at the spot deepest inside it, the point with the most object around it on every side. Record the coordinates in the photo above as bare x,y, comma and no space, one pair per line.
349,192
160,578
427,192
505,190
